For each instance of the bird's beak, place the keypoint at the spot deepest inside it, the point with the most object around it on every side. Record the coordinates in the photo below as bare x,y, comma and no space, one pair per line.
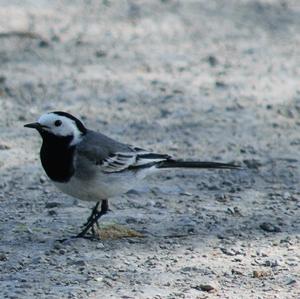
33,126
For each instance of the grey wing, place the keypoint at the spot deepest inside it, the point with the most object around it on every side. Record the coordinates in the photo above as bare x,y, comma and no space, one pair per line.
112,156
135,159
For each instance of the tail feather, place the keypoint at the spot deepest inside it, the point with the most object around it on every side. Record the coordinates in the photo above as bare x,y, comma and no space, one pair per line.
195,164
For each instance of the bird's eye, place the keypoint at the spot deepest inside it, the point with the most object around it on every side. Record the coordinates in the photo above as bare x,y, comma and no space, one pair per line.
57,123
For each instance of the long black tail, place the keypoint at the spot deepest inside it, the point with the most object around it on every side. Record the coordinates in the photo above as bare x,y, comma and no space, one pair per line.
196,164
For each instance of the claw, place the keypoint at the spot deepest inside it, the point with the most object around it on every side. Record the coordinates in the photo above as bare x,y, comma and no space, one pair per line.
93,220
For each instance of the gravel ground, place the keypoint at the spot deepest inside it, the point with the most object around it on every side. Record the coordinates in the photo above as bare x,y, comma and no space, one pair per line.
214,80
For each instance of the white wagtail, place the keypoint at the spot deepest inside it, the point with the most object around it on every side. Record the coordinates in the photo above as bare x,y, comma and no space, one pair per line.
93,167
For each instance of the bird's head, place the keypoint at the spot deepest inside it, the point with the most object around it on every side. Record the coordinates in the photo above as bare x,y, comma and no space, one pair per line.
59,124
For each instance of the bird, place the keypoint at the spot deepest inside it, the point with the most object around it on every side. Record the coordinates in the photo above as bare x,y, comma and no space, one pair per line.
91,166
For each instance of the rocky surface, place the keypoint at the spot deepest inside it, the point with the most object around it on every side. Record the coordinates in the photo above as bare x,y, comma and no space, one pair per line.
214,80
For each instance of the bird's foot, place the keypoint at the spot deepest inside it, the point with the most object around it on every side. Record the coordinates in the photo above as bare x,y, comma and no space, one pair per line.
87,237
91,229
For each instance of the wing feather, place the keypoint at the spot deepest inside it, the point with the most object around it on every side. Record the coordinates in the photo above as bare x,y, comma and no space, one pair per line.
137,158
112,156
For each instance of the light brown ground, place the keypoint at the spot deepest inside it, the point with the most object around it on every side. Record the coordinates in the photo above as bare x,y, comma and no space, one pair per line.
198,79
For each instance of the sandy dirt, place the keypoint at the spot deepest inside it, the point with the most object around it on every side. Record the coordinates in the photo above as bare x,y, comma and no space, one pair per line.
212,80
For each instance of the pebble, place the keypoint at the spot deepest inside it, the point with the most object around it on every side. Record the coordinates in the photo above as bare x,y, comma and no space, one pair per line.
81,263
100,53
220,84
235,211
292,281
207,287
51,205
261,253
269,227
212,60
227,251
3,257
252,163
237,272
189,269
42,179
2,79
261,273
100,246
52,212
222,197
4,147
131,220
38,260
273,263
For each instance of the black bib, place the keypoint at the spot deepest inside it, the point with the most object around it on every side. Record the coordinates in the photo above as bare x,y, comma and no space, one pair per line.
57,157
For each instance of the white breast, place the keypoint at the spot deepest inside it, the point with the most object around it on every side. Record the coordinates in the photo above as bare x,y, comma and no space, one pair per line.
102,186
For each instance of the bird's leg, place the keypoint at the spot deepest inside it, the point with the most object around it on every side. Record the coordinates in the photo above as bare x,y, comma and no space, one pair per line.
94,212
103,211
93,219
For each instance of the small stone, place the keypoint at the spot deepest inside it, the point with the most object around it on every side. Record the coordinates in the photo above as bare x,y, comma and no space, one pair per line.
286,240
252,163
51,205
37,260
55,38
81,263
269,227
131,220
292,281
43,44
2,79
100,53
237,272
42,179
189,269
261,253
207,287
164,113
100,246
220,84
4,147
107,283
212,60
52,213
3,257
57,245
186,193
295,198
21,118
222,197
133,192
261,273
272,263
234,211
227,251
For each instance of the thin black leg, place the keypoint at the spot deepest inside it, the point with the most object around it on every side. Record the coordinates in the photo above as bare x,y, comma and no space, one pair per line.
93,219
94,212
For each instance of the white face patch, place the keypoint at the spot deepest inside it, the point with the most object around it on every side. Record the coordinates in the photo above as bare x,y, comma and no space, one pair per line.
60,126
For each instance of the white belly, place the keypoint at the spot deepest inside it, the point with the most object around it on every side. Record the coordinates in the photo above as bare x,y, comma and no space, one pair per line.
102,186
